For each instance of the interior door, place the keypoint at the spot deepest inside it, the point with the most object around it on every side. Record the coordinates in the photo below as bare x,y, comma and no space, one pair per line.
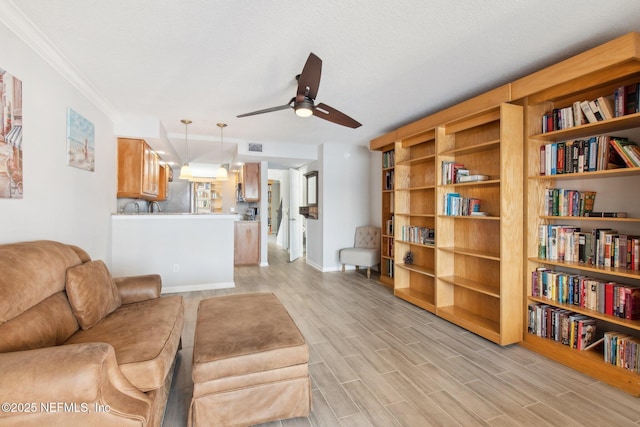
295,219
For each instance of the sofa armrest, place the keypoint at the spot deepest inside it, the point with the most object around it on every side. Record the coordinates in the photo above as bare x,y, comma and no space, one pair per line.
76,384
138,288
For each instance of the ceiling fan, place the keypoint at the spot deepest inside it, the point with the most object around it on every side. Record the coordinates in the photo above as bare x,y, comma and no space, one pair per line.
303,102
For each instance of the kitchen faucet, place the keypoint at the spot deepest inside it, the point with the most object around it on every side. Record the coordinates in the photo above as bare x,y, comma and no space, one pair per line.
137,206
156,204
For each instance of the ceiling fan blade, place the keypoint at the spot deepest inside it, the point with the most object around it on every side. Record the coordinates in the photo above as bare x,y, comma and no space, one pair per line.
309,79
331,114
267,110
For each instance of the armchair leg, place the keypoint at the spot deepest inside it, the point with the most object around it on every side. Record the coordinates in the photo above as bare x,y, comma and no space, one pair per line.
368,272
342,268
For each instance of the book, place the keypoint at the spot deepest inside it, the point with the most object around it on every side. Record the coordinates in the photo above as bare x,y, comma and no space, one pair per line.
589,201
473,178
595,109
588,113
605,105
632,303
617,145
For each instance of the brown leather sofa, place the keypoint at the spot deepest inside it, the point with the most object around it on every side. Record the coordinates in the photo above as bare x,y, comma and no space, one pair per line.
78,347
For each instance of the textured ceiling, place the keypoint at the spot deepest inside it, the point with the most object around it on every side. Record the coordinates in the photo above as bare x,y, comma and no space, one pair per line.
385,63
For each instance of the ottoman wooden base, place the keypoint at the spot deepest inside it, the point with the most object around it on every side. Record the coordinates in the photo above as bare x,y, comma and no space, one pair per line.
250,363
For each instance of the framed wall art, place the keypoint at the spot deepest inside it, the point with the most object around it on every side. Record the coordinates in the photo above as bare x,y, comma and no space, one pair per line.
10,136
80,141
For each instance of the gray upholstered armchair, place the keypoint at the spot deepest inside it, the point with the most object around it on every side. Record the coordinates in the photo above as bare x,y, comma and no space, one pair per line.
365,251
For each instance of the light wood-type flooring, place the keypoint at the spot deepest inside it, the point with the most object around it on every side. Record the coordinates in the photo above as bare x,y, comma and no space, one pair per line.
376,360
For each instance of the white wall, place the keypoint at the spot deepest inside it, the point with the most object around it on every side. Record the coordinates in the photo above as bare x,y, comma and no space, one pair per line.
344,202
60,202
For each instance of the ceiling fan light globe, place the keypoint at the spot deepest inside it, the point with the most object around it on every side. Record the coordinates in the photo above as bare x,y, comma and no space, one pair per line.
304,111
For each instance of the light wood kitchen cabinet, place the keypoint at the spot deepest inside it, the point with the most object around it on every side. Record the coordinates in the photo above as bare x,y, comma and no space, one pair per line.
251,182
163,182
138,170
247,243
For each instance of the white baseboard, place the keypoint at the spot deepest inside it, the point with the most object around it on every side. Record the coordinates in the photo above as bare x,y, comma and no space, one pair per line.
200,287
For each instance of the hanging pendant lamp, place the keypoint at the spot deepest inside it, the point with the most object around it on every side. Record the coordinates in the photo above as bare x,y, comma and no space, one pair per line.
222,172
185,170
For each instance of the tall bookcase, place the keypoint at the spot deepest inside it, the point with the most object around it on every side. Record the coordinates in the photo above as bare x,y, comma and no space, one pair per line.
387,262
479,258
415,212
587,76
465,269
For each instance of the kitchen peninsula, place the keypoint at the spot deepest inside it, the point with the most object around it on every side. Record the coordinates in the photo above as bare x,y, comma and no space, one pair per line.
190,251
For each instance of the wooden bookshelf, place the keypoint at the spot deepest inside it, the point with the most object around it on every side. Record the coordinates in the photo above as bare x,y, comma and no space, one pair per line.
587,76
415,206
479,257
471,273
387,262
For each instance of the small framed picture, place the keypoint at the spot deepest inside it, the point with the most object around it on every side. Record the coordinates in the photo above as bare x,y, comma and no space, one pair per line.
80,141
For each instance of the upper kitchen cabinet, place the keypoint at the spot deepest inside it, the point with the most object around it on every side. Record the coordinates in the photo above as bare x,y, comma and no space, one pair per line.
251,182
138,170
164,177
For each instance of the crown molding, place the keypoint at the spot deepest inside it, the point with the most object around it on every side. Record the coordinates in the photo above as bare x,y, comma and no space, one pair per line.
23,27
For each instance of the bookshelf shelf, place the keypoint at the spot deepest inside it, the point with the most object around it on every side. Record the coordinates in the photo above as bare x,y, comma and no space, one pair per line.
470,217
616,124
472,184
422,245
418,160
608,173
483,288
611,271
473,322
417,269
591,313
588,218
617,189
587,362
418,298
476,148
472,252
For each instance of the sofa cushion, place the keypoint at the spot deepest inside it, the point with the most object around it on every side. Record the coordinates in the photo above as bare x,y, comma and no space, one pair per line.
145,336
47,324
31,272
91,292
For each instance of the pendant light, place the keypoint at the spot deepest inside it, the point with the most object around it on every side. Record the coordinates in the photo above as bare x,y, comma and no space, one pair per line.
222,172
185,170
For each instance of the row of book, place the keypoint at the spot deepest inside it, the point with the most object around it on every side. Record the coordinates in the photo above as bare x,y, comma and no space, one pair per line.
625,100
622,350
563,202
388,180
578,114
453,172
606,297
599,247
564,326
388,159
456,205
588,155
389,226
389,248
390,267
421,235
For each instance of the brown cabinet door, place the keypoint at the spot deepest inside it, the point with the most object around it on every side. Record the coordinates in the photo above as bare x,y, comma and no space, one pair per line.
246,243
138,169
251,182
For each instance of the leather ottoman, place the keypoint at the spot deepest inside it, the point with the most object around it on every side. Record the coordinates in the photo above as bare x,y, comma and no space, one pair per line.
250,363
